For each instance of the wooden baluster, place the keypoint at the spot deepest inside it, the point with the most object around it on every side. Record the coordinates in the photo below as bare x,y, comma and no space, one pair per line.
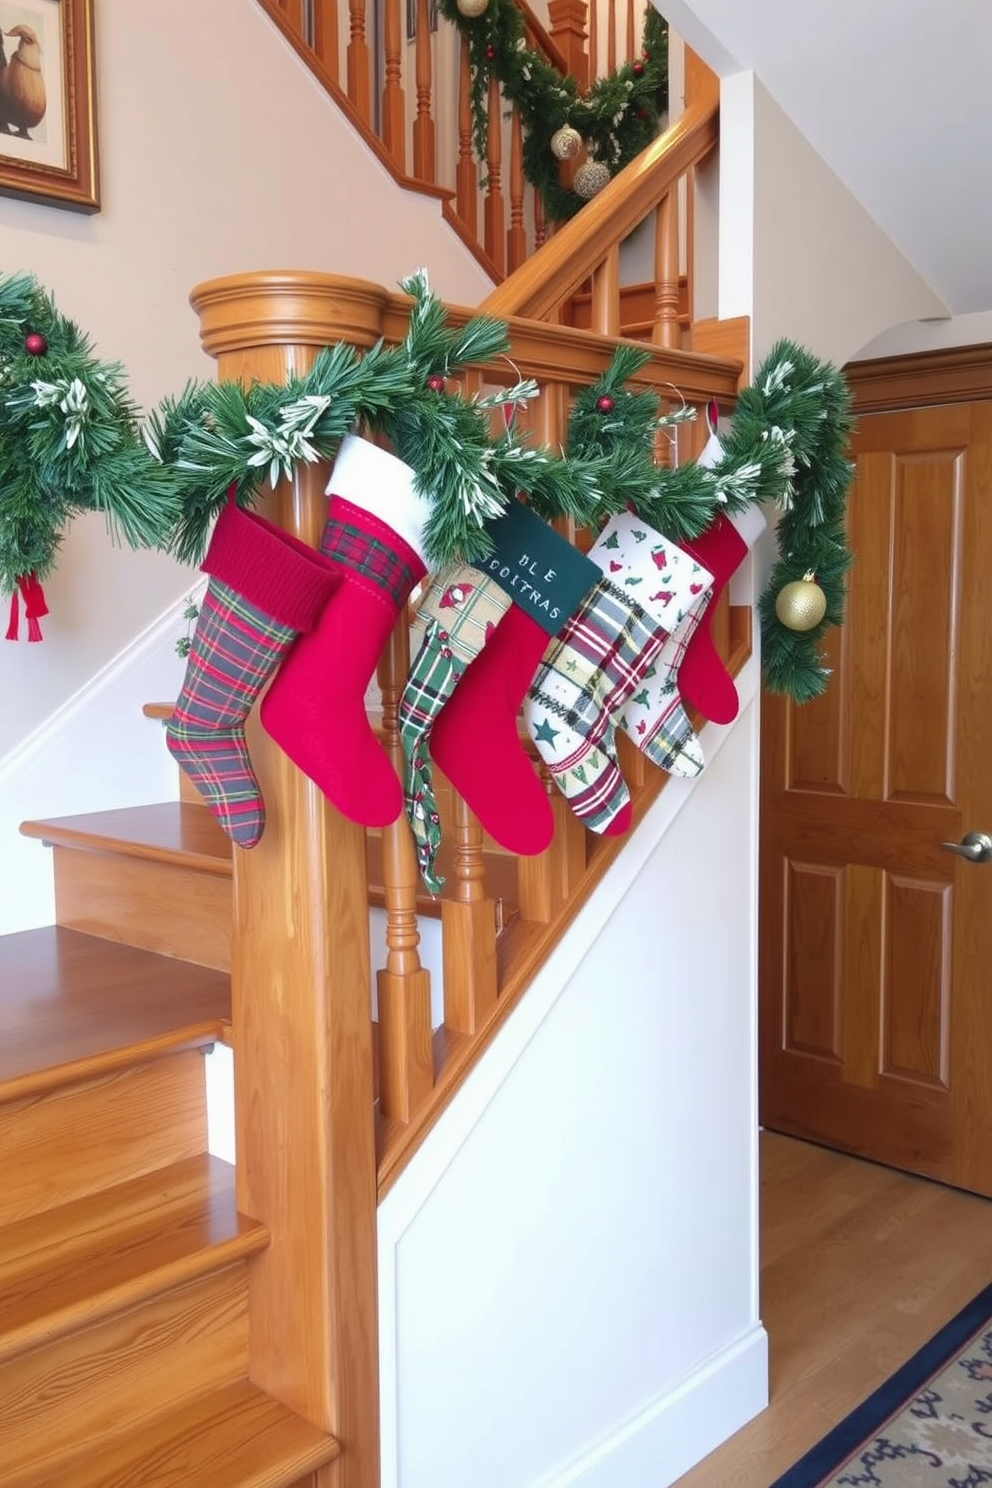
393,98
605,310
424,144
300,984
359,62
466,173
631,33
495,216
567,26
666,330
406,1067
546,880
540,226
325,35
468,925
516,238
611,37
593,41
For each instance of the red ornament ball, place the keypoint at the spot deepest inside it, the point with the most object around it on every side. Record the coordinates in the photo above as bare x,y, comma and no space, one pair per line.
642,113
605,404
436,383
35,344
637,68
490,51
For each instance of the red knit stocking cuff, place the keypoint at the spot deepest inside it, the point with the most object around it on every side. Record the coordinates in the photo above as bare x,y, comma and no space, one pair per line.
284,577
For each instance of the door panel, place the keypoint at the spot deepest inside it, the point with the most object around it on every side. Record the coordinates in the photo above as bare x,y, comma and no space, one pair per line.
876,944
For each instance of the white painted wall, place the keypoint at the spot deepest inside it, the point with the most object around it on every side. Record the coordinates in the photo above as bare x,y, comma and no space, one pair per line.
567,1267
219,153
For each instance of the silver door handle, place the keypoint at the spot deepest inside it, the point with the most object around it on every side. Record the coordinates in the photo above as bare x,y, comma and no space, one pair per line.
975,846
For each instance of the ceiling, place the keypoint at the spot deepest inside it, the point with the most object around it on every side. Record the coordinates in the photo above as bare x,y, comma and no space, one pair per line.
896,95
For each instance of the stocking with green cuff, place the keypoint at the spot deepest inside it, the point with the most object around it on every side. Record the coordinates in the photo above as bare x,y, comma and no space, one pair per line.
475,739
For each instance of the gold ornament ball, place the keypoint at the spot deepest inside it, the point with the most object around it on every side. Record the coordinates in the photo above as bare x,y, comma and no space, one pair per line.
590,178
801,605
566,143
472,8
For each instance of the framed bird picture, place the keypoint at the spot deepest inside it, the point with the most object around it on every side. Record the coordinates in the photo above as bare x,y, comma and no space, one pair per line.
48,135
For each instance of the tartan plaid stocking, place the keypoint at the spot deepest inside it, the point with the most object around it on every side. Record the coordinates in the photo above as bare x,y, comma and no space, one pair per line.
588,676
265,586
315,708
475,740
459,614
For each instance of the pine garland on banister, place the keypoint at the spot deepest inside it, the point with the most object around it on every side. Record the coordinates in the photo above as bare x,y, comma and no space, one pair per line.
616,119
69,443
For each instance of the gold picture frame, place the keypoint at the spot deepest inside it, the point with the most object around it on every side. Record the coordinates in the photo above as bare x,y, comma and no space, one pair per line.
48,135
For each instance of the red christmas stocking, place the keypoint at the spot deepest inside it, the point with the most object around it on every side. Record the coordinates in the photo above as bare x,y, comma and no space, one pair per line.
703,680
475,740
315,708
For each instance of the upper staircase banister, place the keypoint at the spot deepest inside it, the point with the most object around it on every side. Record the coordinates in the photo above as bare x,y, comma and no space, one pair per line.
581,245
305,309
543,40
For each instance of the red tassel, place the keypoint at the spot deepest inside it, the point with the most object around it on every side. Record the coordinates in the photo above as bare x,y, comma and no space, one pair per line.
15,615
34,603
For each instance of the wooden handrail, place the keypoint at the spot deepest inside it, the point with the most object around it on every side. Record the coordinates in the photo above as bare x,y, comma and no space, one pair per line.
581,245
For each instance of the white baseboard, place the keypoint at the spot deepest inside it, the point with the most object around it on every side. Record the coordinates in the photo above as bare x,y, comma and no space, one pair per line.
94,753
679,1428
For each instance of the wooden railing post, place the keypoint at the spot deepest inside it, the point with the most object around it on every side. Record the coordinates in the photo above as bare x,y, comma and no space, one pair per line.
495,211
406,1074
393,98
424,146
466,171
306,1162
568,31
666,330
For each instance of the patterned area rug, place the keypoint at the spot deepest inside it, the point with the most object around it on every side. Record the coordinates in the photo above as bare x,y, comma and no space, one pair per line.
929,1426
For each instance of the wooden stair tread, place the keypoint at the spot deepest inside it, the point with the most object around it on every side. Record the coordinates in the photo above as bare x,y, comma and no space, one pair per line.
187,835
73,1265
74,1006
171,831
234,1437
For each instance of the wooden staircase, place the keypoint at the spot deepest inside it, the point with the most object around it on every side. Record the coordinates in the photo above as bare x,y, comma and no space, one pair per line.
123,1258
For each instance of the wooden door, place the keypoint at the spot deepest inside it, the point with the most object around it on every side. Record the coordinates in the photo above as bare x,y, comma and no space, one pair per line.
876,943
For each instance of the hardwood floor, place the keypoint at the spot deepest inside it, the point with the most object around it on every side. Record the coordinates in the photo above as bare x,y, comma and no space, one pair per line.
860,1265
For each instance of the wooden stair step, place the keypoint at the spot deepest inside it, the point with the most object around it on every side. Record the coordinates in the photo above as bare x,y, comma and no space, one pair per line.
235,1437
172,832
76,1264
184,836
74,1006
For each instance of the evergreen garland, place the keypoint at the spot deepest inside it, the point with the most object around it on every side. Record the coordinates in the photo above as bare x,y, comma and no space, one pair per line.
617,118
811,535
69,443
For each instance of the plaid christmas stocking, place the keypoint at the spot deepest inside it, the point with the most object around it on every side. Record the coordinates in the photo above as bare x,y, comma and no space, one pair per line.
475,739
459,614
315,708
587,677
265,587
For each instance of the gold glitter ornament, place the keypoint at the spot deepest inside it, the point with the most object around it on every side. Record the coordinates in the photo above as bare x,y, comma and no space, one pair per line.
802,604
471,8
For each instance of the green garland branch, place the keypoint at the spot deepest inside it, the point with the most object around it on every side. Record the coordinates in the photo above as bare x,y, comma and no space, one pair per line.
784,444
616,119
69,443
